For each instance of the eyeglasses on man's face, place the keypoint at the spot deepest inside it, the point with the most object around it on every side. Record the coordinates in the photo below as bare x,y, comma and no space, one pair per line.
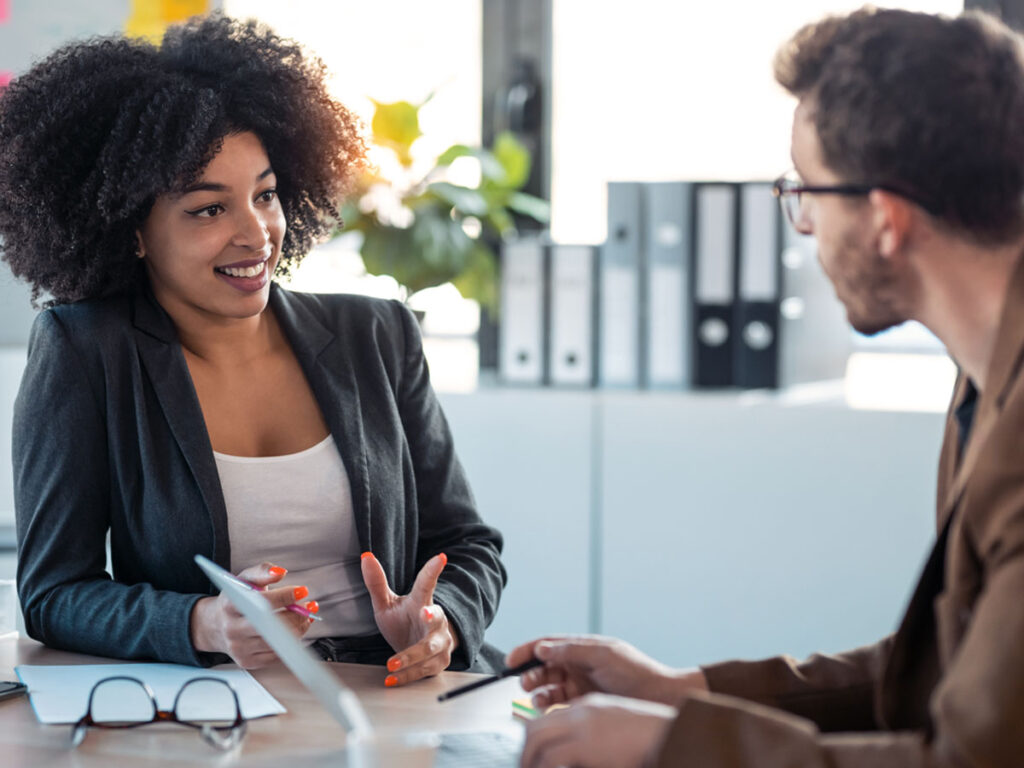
206,703
790,190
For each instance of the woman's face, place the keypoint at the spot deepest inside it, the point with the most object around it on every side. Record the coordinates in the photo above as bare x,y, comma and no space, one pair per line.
210,250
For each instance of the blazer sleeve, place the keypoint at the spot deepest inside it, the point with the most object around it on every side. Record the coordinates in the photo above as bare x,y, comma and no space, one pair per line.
834,691
470,586
717,731
62,507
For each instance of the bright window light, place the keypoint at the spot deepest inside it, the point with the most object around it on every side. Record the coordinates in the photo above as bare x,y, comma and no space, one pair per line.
660,91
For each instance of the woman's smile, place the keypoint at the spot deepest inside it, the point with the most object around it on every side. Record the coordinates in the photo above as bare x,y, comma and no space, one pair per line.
249,275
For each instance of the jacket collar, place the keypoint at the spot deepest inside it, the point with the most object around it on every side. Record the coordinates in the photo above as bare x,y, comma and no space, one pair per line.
1007,357
147,314
304,329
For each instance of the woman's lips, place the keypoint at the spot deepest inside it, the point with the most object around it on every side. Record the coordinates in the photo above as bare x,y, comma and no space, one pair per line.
251,277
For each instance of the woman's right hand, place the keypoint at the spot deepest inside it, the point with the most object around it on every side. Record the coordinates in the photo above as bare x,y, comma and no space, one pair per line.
576,665
217,626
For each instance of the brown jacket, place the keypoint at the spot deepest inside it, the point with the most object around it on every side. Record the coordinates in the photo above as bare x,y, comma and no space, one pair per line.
947,689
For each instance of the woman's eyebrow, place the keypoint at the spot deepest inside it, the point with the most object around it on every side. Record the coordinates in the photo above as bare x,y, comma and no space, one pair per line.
213,186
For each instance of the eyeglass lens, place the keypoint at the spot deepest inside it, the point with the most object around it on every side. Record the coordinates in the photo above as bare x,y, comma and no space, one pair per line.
206,703
792,206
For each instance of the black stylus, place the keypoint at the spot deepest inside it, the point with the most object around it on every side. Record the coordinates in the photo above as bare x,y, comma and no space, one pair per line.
493,679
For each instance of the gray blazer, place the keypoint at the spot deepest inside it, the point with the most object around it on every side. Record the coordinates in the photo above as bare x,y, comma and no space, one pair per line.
109,437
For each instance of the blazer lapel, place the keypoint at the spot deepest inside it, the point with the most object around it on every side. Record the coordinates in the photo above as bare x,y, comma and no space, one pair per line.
333,381
1007,357
161,355
912,668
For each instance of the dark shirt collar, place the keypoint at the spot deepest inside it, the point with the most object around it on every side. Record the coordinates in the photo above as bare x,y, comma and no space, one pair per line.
964,414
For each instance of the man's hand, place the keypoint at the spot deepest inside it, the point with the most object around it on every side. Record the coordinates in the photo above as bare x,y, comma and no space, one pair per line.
598,731
412,623
576,665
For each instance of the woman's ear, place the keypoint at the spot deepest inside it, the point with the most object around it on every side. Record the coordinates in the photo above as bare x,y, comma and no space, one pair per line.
140,247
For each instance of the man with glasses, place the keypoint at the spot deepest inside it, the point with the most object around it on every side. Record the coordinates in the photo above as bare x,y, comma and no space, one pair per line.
908,142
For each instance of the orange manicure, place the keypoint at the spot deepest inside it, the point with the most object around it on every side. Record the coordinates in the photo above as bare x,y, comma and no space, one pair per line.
390,681
276,570
426,614
444,558
394,665
365,555
313,606
299,593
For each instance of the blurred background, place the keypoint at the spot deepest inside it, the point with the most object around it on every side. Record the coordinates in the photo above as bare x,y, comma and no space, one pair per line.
697,523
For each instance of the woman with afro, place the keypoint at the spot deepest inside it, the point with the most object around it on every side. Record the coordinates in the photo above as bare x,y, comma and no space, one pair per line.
178,401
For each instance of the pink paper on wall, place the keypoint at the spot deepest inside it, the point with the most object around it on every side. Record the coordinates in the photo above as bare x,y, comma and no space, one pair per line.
5,10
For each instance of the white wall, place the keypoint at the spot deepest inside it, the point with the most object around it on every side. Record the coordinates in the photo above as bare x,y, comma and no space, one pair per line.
719,525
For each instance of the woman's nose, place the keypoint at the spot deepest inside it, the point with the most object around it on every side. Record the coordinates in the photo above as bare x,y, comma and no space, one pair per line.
251,230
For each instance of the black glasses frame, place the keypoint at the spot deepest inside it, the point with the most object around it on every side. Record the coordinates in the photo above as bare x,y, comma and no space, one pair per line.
212,734
786,186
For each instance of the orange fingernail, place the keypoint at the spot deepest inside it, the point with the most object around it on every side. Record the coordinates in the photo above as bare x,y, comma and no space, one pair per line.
444,558
313,606
300,592
276,570
390,681
365,555
426,614
394,665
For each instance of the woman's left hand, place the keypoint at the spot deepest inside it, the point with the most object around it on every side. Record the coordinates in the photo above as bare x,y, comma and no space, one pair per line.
412,623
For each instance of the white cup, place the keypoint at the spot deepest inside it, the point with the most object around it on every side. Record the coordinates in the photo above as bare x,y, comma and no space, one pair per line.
8,606
394,749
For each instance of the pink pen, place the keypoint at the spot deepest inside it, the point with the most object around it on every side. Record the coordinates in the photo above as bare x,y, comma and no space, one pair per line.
294,607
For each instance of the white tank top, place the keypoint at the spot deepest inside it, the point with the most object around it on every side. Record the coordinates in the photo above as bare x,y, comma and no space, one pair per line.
295,511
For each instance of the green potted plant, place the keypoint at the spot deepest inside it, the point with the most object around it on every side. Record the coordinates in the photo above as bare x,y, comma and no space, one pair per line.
422,228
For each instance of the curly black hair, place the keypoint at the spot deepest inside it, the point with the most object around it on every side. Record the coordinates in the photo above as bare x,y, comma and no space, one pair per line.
91,135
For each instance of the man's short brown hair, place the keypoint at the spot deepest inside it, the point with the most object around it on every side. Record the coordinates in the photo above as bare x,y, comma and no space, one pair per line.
922,103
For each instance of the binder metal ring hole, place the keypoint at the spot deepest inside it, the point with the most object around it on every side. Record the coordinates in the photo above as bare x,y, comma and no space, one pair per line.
714,332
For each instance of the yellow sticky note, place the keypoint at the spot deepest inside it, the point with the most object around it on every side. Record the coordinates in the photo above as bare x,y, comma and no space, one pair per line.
150,18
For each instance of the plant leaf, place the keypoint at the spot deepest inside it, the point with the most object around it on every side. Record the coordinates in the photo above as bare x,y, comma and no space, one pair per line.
479,279
490,167
396,125
454,152
514,158
499,220
463,199
529,205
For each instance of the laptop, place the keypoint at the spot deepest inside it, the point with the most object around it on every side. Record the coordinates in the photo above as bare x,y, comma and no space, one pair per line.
490,749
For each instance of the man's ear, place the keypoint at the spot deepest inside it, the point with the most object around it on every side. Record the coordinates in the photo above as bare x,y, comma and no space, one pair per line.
892,216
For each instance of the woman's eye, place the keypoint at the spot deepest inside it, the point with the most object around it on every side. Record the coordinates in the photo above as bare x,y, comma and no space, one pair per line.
207,212
267,195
